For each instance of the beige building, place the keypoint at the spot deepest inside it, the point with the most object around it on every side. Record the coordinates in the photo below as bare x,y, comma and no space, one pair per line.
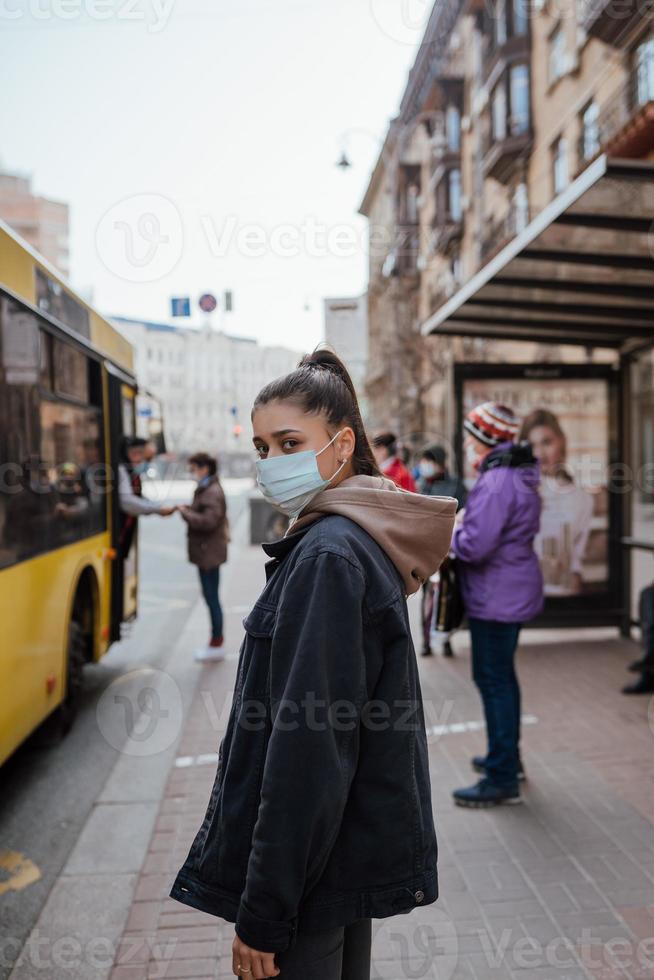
346,331
506,105
41,222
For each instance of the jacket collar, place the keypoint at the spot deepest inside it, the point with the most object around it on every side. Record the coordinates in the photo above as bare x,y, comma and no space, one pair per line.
280,548
509,454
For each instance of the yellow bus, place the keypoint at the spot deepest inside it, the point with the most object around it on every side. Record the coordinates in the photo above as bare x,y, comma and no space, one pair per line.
67,399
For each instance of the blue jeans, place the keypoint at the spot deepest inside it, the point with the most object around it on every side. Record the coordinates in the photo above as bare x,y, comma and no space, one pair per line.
210,580
493,671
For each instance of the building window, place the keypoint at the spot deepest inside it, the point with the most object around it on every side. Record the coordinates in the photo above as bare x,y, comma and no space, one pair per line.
520,17
498,112
499,24
520,208
519,90
645,72
453,128
560,165
556,59
590,140
454,195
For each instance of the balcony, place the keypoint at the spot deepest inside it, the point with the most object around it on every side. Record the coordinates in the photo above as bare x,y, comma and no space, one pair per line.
499,232
612,21
502,155
624,126
402,260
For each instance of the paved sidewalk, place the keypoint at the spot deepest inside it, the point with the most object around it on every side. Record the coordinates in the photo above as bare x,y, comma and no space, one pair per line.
561,888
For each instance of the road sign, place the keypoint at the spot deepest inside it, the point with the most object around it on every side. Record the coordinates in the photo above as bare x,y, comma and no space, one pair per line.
180,306
207,302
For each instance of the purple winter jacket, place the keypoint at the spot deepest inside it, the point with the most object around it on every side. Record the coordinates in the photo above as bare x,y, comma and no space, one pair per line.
499,570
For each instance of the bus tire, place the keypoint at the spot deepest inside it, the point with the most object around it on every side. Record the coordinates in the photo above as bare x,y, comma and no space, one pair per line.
60,722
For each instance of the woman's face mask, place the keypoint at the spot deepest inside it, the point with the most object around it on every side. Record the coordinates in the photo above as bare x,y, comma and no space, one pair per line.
427,469
290,482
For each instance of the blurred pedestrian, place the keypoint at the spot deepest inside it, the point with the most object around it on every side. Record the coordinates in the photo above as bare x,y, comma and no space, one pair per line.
502,588
320,818
435,480
208,535
387,456
645,664
131,501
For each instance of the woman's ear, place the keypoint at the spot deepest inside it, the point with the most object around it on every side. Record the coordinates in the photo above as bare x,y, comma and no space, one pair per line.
346,444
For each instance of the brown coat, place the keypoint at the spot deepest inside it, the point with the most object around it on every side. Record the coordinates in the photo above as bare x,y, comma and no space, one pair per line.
208,531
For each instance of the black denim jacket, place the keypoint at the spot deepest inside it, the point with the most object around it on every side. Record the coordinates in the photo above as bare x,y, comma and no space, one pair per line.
320,812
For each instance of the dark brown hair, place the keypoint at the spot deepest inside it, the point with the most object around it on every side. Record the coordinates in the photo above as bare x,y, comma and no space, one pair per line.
204,460
321,384
542,418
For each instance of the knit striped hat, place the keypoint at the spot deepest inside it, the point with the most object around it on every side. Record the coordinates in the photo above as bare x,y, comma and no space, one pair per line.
492,424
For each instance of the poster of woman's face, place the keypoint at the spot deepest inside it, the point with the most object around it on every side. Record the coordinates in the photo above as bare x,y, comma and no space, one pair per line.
566,422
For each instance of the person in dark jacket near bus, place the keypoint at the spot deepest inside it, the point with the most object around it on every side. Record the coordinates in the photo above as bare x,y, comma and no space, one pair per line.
320,815
208,535
502,588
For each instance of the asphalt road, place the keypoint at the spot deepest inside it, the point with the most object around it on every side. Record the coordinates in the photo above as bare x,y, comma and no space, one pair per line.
46,794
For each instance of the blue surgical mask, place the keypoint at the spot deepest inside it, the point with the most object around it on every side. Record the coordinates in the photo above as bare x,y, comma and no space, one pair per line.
140,468
290,482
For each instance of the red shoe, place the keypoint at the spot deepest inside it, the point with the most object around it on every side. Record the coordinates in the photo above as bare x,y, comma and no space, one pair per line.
216,641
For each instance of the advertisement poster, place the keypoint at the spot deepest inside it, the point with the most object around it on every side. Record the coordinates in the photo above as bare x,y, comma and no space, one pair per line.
567,421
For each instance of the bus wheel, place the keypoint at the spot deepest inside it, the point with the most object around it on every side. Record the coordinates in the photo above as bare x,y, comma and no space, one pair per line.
61,720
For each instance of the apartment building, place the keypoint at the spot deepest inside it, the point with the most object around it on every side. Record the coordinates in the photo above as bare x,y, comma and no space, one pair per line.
346,331
205,381
511,108
41,222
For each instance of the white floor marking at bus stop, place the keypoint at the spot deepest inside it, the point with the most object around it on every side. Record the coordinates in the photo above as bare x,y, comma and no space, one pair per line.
456,728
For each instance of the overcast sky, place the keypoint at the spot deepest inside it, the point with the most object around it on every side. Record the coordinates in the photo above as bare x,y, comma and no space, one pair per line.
195,141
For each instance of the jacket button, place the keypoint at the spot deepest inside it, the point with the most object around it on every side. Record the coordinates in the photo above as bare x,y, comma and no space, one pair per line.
419,896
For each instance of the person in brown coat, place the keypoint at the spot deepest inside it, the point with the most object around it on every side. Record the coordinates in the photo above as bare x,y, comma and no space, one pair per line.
208,534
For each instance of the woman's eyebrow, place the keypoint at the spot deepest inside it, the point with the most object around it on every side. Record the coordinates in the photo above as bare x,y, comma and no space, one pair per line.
285,432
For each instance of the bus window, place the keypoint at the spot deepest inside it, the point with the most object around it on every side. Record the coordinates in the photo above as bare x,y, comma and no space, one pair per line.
71,377
23,510
53,480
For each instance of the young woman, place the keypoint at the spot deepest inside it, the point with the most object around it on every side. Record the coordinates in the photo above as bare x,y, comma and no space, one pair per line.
320,816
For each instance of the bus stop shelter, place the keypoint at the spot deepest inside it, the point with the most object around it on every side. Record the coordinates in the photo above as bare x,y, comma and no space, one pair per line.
580,273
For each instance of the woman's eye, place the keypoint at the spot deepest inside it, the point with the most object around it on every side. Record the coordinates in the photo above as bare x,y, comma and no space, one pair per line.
261,452
289,444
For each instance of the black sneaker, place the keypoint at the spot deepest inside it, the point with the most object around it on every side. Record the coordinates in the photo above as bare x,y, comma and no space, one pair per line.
645,685
485,794
640,666
478,763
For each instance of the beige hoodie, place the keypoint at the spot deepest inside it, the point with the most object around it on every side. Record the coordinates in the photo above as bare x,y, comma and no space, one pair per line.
414,530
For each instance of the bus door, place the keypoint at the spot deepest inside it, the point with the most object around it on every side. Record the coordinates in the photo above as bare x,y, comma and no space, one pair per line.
122,422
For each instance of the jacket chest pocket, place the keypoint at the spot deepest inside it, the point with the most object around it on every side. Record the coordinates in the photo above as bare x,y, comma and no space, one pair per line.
259,627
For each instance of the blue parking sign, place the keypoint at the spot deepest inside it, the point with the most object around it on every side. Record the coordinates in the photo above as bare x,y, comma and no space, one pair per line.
180,306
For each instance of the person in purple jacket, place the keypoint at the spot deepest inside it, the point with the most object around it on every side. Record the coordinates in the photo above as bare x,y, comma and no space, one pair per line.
502,588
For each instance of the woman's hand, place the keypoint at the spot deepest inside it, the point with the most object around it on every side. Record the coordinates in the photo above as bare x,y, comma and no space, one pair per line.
254,965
